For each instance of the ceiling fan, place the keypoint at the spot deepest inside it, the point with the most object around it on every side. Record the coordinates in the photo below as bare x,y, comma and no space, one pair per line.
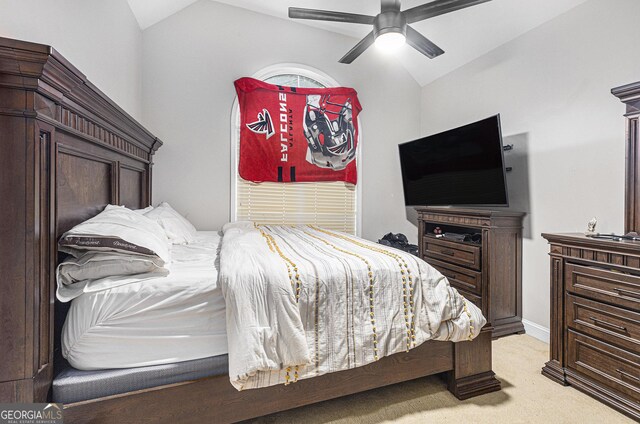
390,26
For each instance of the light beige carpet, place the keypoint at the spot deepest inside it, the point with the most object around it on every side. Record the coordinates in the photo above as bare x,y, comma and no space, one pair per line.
526,397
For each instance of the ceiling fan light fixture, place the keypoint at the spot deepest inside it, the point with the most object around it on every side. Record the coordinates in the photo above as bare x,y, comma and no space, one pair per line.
391,26
390,41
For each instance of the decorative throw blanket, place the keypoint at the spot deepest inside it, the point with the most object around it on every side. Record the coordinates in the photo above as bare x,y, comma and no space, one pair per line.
304,301
292,134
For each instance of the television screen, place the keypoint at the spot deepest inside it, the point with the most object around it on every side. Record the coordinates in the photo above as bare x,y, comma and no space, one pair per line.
462,166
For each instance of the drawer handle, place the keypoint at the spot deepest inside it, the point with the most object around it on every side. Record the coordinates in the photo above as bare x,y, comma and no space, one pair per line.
452,253
626,292
629,376
608,324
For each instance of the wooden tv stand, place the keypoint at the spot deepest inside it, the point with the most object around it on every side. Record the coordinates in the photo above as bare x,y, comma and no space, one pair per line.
489,272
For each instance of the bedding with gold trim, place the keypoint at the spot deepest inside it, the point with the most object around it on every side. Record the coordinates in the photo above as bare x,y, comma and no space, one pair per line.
302,301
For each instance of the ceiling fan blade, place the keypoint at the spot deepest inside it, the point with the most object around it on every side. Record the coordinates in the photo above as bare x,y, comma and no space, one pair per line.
329,15
436,8
390,6
422,44
358,49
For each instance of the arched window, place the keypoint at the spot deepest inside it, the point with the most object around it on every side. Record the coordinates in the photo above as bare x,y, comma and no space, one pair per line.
332,205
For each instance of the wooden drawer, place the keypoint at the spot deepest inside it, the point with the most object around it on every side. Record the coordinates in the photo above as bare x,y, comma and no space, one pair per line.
459,277
608,286
476,300
456,253
617,326
607,364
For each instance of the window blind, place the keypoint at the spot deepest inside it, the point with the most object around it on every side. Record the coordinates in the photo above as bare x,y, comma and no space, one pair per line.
331,205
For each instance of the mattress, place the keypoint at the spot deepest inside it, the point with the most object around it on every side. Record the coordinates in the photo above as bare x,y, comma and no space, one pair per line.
180,317
72,385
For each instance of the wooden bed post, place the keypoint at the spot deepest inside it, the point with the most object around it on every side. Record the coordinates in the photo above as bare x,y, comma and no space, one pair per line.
472,374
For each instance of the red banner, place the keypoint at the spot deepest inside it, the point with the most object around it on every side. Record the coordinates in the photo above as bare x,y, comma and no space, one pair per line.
290,134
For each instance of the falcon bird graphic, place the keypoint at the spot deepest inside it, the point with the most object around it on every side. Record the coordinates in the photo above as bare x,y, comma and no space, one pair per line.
264,124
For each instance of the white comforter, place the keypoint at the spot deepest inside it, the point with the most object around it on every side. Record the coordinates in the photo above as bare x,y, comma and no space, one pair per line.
302,301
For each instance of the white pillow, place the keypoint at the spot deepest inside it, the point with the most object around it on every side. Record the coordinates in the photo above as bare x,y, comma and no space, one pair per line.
117,229
145,210
177,228
74,274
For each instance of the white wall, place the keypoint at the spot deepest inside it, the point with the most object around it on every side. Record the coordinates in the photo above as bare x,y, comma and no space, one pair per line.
190,62
552,88
101,38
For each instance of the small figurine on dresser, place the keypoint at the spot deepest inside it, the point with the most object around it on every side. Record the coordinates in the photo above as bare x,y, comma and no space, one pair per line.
591,225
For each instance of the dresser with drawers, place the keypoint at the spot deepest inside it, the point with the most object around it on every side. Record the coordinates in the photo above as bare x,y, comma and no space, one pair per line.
595,318
486,268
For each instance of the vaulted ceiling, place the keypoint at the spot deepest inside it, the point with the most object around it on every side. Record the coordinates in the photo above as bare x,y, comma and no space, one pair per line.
464,35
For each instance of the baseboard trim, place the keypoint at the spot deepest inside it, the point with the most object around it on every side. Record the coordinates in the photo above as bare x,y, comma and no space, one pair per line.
536,330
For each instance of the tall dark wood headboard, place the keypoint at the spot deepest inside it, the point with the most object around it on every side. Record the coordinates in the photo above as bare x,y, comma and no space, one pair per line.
66,151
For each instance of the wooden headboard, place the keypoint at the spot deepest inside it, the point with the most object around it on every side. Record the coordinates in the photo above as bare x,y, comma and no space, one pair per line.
88,177
66,151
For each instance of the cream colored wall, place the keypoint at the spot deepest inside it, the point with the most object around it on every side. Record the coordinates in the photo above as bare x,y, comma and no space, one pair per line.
101,38
190,61
552,88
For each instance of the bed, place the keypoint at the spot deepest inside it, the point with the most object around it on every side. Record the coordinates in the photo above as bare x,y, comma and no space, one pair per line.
83,153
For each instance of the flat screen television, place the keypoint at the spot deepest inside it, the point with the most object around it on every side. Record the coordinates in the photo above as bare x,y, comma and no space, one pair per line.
462,167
